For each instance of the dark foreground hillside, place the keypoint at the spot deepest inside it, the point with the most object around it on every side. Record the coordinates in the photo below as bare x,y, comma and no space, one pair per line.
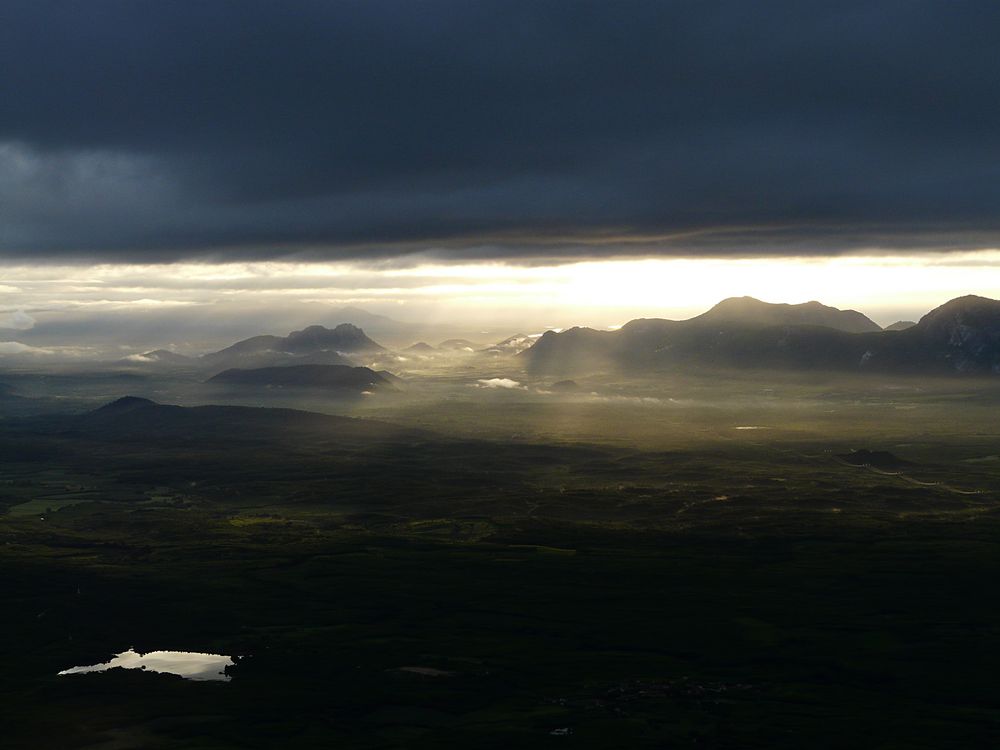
388,587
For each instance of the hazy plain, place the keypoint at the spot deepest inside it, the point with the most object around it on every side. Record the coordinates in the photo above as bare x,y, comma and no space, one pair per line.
705,560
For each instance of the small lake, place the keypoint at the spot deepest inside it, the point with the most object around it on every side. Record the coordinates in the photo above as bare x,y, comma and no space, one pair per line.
188,664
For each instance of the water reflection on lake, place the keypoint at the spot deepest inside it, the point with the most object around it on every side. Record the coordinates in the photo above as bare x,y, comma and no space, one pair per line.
187,664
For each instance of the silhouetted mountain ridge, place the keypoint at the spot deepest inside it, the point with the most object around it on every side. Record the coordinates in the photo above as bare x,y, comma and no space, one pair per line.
313,345
748,311
962,336
338,377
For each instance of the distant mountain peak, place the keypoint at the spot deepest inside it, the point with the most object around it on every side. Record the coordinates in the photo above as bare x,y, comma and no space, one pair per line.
318,343
754,312
969,299
970,305
968,311
124,404
967,332
511,345
347,335
960,337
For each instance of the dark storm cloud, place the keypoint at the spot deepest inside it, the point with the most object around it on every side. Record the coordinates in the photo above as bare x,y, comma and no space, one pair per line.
149,130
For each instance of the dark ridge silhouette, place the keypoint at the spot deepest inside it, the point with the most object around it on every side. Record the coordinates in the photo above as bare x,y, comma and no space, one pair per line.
313,345
749,311
420,346
900,325
344,338
960,337
124,405
337,377
574,350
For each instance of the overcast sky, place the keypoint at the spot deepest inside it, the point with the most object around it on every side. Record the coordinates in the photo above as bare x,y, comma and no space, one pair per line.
149,131
186,173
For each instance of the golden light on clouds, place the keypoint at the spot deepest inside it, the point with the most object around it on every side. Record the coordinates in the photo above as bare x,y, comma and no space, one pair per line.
594,292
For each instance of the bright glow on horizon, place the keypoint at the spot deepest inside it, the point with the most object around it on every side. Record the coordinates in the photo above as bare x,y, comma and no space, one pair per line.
598,292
